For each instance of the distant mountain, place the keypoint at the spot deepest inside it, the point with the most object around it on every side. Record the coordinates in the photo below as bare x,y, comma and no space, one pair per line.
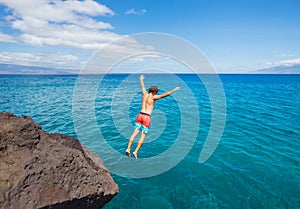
281,69
22,69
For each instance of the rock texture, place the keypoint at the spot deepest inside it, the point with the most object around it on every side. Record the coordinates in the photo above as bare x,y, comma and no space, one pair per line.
42,170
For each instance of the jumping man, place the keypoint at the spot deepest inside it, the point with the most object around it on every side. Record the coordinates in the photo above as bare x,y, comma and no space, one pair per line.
143,119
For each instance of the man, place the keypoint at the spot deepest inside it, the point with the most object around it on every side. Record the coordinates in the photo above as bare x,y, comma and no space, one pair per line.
143,119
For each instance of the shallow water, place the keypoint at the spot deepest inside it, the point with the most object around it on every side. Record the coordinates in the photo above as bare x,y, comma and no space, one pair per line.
256,163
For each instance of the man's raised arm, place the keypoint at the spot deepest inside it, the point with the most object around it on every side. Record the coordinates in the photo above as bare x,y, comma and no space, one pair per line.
142,84
156,97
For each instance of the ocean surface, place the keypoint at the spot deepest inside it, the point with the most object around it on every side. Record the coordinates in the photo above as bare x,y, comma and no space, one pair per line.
256,163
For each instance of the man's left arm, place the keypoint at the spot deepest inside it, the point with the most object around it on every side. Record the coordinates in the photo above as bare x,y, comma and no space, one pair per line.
142,84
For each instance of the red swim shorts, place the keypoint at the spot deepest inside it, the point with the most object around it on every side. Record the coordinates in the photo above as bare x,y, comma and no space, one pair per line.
142,122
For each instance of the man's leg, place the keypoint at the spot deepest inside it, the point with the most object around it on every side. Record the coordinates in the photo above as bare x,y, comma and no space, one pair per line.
140,143
131,139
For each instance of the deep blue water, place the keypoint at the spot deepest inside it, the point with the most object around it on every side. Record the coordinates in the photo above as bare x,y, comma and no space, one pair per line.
255,165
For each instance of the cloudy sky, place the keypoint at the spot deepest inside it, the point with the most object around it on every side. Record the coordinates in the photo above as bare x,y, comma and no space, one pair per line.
236,36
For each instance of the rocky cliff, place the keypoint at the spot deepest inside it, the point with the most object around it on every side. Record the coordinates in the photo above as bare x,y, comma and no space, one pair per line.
42,170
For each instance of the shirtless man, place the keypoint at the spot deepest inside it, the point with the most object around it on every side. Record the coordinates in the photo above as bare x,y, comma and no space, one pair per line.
143,119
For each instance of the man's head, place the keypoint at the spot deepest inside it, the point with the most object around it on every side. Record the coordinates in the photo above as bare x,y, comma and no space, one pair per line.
153,90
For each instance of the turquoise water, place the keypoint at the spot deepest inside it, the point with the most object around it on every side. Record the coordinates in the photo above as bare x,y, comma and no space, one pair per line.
256,164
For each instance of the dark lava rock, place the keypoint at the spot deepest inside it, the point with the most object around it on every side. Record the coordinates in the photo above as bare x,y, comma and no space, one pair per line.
42,170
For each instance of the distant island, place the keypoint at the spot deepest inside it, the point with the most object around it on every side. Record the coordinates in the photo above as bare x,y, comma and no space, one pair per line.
281,69
13,69
23,69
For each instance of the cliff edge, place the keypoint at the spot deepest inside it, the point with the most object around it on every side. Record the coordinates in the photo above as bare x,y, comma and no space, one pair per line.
42,170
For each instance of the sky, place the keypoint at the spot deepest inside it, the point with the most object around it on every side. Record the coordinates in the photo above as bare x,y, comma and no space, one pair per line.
236,36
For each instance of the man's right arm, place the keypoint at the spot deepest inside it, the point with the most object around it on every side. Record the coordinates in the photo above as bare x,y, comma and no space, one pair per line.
156,97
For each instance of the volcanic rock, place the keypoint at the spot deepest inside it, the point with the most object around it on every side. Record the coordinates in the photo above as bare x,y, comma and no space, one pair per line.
43,170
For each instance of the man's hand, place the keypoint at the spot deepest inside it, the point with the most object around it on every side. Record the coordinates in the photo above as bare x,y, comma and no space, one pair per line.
176,89
142,77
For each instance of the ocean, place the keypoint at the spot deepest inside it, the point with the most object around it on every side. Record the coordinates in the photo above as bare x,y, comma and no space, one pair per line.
254,164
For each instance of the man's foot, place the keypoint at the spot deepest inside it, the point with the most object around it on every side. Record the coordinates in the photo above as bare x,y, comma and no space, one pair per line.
135,155
128,153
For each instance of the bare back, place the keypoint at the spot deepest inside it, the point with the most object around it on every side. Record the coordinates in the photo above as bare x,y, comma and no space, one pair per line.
147,103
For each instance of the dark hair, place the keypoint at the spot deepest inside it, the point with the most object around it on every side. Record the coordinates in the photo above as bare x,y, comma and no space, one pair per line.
153,89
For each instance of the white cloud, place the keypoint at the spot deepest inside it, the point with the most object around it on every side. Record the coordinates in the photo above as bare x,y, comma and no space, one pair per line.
289,55
6,38
44,60
151,56
56,10
60,23
136,12
286,63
